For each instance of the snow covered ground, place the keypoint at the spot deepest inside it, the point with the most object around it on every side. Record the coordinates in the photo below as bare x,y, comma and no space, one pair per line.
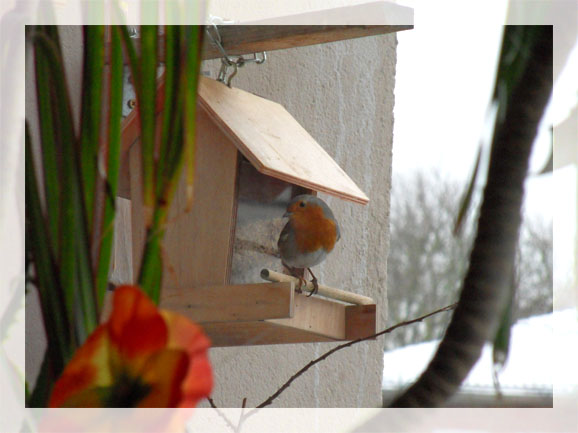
543,357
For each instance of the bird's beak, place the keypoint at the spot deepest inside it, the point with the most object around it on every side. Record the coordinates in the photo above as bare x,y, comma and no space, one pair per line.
287,214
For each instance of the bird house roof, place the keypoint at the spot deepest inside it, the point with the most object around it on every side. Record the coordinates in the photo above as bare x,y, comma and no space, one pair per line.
274,142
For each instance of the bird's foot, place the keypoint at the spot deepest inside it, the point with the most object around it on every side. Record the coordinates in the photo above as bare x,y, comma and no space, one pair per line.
294,272
315,285
302,283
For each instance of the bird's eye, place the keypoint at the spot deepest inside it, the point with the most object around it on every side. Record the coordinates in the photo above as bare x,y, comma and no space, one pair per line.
301,204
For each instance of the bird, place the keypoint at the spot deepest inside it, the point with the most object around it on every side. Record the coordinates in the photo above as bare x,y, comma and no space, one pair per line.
308,237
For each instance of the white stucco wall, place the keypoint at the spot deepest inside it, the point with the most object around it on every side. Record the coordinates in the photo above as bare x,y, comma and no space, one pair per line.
342,93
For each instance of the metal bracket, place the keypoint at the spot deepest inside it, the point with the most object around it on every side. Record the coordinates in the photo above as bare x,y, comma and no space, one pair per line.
128,92
230,61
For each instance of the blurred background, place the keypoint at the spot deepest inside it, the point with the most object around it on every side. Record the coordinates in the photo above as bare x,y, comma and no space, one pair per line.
444,82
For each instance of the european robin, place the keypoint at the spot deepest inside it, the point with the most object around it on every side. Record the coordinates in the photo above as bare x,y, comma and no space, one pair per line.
310,234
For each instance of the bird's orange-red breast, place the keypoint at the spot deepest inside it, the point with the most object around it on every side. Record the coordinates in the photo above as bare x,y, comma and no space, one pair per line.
310,234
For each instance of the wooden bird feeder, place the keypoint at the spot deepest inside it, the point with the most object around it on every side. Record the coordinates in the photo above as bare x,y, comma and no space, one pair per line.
252,158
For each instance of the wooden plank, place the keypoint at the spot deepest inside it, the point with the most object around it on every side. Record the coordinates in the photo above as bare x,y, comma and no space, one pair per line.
223,334
239,333
317,315
248,39
138,230
129,136
198,244
274,142
106,306
243,302
360,321
122,269
314,319
123,190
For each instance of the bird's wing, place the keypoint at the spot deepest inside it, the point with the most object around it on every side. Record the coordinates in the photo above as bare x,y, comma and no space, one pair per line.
284,235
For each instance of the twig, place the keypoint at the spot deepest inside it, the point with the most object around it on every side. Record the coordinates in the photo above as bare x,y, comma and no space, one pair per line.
286,385
242,417
222,415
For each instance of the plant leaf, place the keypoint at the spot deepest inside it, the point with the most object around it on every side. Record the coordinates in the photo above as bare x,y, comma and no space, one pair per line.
132,56
113,165
181,150
74,258
146,107
44,383
91,114
193,42
151,272
50,163
55,315
171,82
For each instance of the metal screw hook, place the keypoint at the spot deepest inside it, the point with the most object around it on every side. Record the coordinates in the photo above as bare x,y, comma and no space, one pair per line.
235,68
230,61
263,58
226,63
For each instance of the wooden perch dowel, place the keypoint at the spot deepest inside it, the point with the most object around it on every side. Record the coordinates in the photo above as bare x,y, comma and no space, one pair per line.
328,292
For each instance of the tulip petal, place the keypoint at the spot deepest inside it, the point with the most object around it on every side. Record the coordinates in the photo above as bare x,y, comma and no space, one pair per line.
135,325
164,373
188,336
198,383
88,368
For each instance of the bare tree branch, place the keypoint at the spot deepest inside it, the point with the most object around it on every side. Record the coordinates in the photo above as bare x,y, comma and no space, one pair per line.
222,415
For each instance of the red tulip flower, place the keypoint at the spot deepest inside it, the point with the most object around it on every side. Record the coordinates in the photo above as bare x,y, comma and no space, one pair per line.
141,357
